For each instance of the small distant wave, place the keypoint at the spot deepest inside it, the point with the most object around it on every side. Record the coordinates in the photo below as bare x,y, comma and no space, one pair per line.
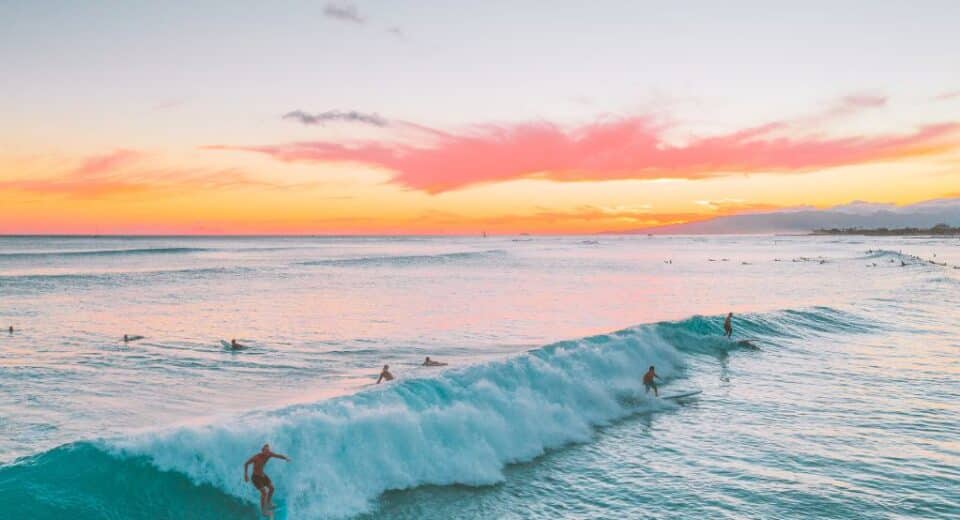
409,259
461,426
31,282
103,252
904,259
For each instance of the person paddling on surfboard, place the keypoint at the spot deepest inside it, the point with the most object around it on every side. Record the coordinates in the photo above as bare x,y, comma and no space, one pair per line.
727,326
236,346
431,363
260,479
648,381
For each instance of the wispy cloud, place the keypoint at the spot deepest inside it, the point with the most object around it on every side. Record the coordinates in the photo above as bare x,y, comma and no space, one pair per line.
731,206
343,12
105,163
321,118
858,102
629,148
953,94
119,173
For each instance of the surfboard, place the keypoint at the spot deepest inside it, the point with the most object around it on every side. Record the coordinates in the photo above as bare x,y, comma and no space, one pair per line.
685,394
277,513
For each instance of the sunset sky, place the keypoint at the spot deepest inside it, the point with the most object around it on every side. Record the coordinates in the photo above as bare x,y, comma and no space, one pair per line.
457,117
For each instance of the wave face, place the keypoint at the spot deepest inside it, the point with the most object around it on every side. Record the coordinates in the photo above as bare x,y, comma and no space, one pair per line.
462,426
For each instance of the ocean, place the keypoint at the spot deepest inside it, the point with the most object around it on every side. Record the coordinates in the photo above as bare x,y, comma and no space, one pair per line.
837,397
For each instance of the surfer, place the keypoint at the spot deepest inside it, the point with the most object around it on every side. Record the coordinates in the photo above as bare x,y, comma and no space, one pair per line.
648,381
236,346
727,326
260,479
431,363
385,375
11,329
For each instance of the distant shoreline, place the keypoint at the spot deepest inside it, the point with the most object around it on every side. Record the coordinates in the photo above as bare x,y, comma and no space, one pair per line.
939,230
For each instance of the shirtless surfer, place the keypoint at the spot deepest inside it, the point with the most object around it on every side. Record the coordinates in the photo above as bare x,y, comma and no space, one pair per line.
260,479
385,375
727,326
648,381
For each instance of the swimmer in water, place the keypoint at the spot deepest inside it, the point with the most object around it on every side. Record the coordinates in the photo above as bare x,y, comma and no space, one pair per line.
385,374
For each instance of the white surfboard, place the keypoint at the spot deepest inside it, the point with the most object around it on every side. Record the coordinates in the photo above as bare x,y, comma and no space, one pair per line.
685,394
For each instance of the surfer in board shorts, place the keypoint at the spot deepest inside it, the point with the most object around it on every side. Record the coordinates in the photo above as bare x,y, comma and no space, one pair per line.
727,326
260,479
648,381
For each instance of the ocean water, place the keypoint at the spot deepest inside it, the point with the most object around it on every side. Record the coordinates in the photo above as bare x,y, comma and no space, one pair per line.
838,397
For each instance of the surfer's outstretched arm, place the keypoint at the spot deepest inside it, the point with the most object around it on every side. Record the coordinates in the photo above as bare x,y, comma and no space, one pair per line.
279,456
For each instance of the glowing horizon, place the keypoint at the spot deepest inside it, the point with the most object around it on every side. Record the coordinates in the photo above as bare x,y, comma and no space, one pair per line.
156,136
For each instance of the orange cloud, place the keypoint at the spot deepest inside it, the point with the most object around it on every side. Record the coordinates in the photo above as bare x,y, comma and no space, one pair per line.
631,148
733,206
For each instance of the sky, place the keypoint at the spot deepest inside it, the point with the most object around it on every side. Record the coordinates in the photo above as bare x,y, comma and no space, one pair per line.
381,117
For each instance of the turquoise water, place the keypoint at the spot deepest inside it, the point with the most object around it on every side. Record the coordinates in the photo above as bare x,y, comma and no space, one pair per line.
844,403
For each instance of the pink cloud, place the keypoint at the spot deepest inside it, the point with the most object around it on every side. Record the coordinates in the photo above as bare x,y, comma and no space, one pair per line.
631,148
101,164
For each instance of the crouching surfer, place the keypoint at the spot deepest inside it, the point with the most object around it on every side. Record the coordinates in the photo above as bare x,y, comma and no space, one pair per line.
260,479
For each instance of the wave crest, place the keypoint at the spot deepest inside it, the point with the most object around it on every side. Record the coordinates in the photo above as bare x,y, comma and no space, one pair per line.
462,426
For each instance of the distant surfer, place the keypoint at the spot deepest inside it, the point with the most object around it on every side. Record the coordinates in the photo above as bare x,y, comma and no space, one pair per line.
385,374
11,329
648,381
236,346
127,338
431,363
260,479
727,326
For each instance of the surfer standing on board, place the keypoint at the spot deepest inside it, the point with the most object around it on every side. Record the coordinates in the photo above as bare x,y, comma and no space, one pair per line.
648,381
385,375
727,326
260,479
